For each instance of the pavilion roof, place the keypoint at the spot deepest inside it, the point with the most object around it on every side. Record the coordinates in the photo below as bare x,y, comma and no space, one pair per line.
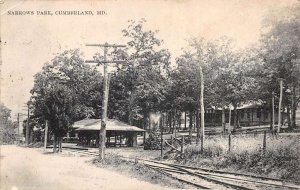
111,125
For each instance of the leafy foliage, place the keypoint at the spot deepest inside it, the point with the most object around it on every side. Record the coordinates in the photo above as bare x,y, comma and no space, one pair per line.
66,90
153,142
7,127
279,56
138,86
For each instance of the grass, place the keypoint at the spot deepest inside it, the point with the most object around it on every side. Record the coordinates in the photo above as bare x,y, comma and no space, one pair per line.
280,160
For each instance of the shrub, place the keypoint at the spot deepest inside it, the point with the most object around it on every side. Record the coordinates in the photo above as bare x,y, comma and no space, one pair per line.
281,159
153,142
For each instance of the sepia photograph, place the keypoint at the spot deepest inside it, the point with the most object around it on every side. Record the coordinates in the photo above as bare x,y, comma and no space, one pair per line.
149,94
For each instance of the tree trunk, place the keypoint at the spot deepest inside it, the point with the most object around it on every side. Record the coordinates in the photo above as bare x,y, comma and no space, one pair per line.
215,118
273,111
202,109
97,141
161,141
179,120
145,125
234,117
54,143
130,118
27,129
223,120
130,114
46,135
148,120
238,119
61,140
60,144
294,108
288,112
229,122
162,119
195,121
31,135
279,107
174,123
170,122
185,121
198,138
191,126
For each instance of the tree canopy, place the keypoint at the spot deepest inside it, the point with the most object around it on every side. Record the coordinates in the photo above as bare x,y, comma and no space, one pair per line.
7,126
66,90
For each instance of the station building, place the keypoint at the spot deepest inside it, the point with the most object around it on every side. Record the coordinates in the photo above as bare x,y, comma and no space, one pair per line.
117,133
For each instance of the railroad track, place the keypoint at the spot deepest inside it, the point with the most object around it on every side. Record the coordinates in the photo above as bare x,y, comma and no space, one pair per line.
209,179
217,180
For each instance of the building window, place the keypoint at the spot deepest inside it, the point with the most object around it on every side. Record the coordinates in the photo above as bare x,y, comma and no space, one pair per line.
248,115
242,114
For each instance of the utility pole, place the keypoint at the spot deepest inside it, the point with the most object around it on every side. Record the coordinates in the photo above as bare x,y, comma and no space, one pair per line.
279,107
102,133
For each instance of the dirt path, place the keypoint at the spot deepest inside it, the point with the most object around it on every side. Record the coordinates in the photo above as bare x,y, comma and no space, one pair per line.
24,168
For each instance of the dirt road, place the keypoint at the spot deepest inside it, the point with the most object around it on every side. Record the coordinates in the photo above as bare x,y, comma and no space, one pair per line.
31,169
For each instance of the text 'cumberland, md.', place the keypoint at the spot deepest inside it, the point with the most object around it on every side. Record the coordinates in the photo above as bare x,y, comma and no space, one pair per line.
59,13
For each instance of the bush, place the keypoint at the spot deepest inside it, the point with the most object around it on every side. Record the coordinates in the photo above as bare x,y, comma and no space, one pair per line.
153,142
281,159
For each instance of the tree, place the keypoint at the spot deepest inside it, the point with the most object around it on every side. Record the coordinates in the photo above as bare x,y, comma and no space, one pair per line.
66,90
141,80
7,127
231,82
281,53
186,82
227,76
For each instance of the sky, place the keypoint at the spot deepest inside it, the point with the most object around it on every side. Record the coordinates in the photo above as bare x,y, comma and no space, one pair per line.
29,41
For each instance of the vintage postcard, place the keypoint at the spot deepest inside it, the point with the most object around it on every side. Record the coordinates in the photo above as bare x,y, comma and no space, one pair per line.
149,94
